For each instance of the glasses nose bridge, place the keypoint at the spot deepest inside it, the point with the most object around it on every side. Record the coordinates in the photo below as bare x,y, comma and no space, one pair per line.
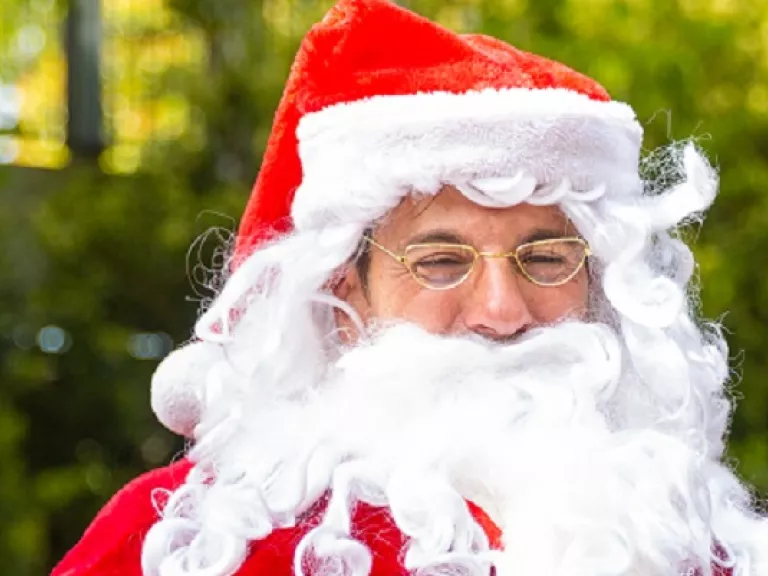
510,257
496,255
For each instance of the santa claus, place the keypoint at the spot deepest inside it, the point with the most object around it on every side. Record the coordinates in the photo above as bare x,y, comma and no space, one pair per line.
457,336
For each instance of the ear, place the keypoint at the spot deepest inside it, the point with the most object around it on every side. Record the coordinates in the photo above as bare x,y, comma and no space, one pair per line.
351,290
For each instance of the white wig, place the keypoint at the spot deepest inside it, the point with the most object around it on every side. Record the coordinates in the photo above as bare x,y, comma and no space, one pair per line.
269,339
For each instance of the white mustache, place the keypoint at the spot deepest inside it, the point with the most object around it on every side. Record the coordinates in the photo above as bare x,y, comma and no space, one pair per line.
404,379
588,352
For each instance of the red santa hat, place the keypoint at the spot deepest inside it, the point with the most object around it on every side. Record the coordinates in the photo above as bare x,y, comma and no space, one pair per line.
380,98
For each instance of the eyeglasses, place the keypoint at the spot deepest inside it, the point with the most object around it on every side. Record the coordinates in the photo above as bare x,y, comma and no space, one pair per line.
439,266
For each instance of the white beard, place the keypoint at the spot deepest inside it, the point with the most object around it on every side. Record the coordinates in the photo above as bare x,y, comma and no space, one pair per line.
595,453
527,431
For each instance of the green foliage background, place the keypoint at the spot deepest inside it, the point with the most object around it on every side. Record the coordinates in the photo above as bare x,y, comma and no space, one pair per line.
105,256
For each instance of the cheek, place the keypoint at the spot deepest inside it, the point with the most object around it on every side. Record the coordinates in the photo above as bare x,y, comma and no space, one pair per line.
434,311
571,300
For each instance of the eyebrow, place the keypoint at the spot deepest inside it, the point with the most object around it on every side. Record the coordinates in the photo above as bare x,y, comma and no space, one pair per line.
451,237
441,236
544,234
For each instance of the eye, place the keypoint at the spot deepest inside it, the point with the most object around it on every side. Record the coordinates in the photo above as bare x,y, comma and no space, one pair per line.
438,255
550,263
543,257
440,265
443,259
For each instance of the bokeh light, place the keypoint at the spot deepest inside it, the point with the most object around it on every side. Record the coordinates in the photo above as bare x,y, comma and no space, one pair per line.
23,336
53,340
149,345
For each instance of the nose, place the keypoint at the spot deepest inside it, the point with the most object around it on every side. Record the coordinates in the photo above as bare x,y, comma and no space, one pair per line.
496,308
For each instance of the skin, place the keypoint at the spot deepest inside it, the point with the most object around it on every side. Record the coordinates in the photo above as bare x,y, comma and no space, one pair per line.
496,301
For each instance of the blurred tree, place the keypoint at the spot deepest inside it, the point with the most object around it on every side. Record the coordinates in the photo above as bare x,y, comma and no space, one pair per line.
32,84
93,263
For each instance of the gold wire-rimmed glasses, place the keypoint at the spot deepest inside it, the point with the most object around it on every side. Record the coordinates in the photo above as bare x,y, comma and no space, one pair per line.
442,266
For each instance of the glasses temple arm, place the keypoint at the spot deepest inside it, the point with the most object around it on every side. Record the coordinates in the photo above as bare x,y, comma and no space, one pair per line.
371,241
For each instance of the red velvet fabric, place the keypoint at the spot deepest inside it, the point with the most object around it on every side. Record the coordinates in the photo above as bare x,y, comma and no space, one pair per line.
366,48
111,546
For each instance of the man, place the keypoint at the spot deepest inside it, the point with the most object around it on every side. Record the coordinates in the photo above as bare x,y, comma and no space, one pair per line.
456,339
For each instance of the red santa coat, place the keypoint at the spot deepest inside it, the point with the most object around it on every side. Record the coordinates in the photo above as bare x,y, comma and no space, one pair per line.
111,546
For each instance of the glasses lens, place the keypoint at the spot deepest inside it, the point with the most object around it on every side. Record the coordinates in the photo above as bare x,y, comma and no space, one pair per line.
440,265
552,262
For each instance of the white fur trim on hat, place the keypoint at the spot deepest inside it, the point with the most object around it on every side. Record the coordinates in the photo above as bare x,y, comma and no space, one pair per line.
177,386
351,151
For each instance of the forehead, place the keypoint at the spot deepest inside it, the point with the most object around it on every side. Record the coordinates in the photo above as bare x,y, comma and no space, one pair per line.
451,212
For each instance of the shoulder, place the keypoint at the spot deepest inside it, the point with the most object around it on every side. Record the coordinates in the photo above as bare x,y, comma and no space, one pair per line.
111,545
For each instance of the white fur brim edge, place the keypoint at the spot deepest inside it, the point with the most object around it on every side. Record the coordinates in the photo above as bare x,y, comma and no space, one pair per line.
359,158
475,106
